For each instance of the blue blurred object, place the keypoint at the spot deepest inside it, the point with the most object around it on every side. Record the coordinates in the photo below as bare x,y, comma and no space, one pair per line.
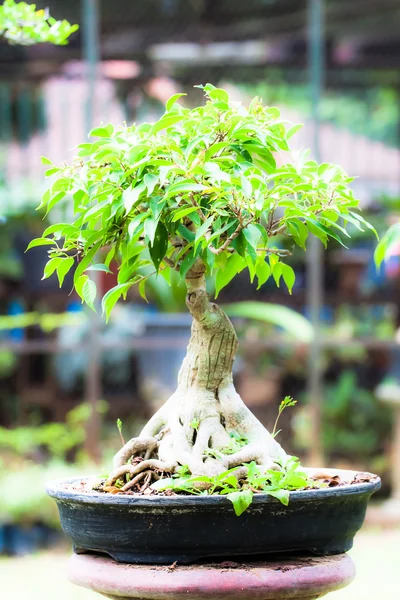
16,307
74,306
18,541
326,315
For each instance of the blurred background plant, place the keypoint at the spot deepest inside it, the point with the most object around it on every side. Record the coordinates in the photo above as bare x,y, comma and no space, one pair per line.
355,426
34,454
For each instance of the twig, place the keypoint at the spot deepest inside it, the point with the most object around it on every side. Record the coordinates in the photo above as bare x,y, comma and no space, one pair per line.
230,239
170,263
195,203
280,229
278,251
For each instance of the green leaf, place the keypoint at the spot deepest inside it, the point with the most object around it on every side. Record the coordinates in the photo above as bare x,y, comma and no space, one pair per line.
183,187
293,130
55,199
63,268
136,224
110,256
299,232
241,501
131,196
262,157
160,245
233,265
263,271
218,232
390,239
218,94
166,483
80,282
380,252
282,495
150,180
247,188
169,104
95,211
289,276
51,266
150,226
101,132
40,242
165,123
187,262
250,262
99,267
202,230
156,206
127,270
186,233
52,171
316,228
183,212
89,293
214,149
252,235
240,244
363,222
276,268
46,161
142,289
58,228
112,296
85,262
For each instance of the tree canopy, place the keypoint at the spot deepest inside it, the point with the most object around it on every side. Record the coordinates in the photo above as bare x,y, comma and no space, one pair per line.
216,183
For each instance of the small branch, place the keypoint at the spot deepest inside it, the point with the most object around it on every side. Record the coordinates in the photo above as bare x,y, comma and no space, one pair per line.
280,229
270,220
277,251
195,203
142,277
230,239
170,263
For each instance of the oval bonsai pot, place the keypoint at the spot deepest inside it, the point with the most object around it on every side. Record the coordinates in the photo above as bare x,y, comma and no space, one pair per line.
164,529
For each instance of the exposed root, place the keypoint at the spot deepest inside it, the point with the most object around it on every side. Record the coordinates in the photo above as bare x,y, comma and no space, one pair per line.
128,486
147,482
135,447
132,470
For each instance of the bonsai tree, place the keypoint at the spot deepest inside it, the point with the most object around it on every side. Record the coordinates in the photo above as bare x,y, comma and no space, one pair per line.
21,23
204,192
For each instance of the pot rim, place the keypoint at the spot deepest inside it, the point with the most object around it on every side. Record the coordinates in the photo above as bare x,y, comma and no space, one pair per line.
54,490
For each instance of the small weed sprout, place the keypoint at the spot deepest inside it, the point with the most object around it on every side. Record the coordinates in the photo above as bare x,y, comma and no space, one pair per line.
286,402
119,425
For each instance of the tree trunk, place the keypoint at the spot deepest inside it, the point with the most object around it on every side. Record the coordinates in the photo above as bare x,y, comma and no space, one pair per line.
195,426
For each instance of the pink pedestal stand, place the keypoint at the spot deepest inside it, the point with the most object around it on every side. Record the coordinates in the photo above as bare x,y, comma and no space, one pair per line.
291,579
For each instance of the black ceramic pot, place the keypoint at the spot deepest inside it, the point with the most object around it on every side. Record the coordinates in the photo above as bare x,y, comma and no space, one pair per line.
164,529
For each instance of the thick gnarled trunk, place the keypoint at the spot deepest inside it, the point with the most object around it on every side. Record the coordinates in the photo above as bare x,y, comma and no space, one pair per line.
193,427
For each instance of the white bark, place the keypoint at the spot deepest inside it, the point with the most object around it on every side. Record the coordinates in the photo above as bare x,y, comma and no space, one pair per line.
205,407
